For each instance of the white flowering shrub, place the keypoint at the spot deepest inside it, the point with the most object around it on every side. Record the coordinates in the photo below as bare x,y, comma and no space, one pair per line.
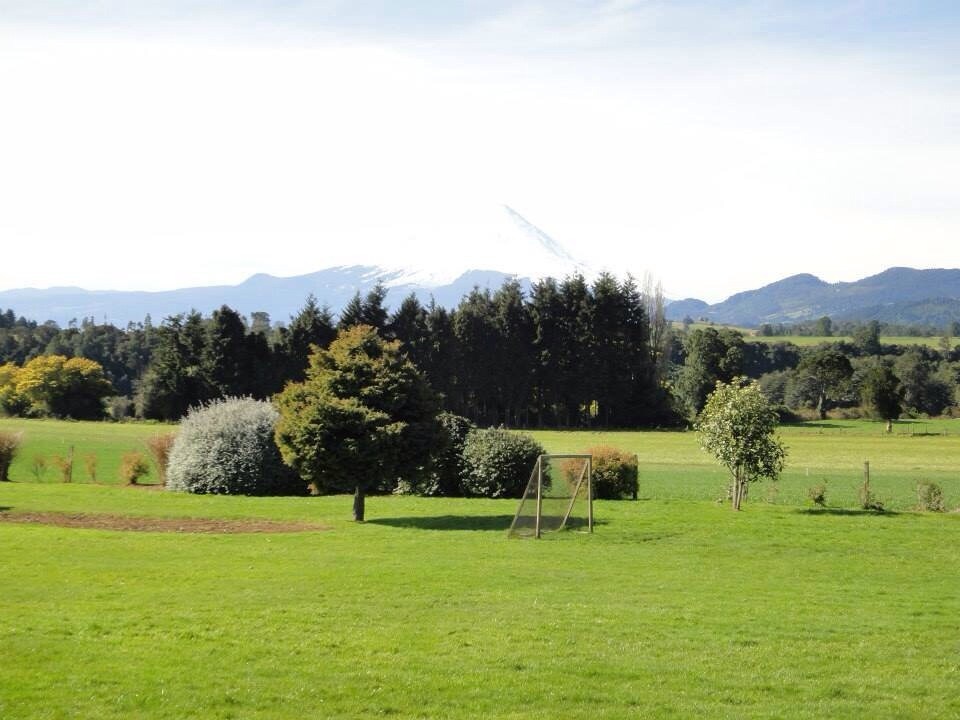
226,447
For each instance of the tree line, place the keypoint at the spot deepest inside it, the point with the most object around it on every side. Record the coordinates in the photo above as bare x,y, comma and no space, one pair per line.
569,353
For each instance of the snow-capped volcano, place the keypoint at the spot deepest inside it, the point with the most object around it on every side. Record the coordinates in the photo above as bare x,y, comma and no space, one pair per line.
442,257
439,249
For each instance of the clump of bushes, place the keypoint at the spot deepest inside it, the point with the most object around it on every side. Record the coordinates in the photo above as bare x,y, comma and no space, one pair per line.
133,467
614,473
818,494
9,445
160,447
497,462
226,447
930,497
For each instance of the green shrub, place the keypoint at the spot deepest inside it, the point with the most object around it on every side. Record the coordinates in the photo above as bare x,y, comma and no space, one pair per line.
497,462
9,445
133,467
227,448
818,494
930,497
614,473
445,477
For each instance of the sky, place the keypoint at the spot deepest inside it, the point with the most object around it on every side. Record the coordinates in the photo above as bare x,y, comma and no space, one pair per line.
715,145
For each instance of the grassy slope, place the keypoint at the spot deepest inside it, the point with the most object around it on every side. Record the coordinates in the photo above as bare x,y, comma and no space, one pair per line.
671,609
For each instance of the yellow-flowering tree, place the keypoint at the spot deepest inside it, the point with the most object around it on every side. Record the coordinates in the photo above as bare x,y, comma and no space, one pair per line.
11,403
63,387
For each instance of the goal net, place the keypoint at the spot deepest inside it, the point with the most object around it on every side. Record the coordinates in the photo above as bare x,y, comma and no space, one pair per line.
559,496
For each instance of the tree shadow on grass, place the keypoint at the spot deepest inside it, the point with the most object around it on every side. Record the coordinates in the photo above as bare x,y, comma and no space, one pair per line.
847,512
448,522
3,508
497,523
814,424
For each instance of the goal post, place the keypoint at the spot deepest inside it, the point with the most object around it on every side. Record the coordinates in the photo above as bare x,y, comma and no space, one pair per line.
558,496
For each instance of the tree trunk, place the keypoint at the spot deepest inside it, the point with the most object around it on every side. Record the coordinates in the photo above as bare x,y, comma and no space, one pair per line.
358,504
737,490
821,409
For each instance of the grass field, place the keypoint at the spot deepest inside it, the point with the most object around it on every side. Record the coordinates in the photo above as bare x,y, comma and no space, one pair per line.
832,452
674,607
671,609
107,441
813,340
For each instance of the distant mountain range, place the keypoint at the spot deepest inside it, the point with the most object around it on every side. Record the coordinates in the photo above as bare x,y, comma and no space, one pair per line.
280,297
898,295
490,237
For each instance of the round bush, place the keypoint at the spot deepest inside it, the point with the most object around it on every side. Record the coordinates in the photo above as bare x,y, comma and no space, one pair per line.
614,473
497,462
227,448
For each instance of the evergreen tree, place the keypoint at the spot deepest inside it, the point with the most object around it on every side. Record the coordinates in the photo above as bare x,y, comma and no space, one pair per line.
363,418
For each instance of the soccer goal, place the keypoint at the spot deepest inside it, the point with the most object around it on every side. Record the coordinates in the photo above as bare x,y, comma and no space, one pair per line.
559,496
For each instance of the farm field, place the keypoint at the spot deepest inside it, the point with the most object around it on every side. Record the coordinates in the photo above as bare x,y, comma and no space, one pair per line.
813,340
675,606
672,608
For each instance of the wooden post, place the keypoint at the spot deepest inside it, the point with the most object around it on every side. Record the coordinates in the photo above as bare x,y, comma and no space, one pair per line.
539,492
70,465
866,472
590,493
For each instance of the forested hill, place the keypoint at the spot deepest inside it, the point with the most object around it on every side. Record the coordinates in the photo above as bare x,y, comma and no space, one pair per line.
280,297
898,295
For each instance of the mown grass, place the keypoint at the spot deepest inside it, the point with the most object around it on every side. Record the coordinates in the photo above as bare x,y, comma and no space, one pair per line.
108,442
671,464
832,452
673,608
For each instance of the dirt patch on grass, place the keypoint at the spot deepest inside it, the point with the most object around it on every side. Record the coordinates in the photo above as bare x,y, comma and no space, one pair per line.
101,521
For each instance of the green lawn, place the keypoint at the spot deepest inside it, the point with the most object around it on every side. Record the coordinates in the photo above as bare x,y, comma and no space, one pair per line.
108,442
832,452
671,609
674,607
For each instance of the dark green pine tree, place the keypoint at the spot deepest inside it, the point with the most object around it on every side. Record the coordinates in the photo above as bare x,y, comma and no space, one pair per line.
576,362
352,313
408,324
546,314
477,334
313,325
514,364
226,361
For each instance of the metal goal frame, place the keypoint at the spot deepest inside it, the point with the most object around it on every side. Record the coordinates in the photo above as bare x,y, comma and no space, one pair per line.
586,475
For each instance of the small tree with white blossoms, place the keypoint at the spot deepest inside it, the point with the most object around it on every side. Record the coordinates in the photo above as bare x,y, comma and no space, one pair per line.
737,427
